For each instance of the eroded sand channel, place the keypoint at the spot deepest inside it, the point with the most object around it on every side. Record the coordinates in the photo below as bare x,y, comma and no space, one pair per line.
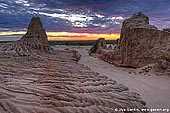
153,89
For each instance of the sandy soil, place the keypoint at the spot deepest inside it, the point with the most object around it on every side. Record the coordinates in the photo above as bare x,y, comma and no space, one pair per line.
54,83
153,89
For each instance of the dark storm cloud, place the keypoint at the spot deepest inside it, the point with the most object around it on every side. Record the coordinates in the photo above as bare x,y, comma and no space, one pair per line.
71,15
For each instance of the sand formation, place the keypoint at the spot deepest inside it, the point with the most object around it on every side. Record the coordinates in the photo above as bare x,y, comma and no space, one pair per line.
141,44
54,83
33,41
98,46
76,56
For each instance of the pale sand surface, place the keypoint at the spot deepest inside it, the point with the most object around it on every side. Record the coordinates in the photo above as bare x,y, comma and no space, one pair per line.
155,90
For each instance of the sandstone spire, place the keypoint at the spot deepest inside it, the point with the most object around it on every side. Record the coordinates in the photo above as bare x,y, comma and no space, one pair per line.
36,30
133,43
34,40
98,46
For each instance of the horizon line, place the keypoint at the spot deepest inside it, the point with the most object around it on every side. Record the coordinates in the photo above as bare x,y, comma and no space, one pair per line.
65,35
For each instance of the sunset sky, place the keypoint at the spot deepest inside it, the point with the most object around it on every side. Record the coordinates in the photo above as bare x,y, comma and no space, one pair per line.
78,19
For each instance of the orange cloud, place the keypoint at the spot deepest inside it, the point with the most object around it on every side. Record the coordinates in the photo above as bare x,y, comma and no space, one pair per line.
12,33
80,36
69,35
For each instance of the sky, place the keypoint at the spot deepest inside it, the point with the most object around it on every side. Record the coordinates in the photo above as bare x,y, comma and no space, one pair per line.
78,19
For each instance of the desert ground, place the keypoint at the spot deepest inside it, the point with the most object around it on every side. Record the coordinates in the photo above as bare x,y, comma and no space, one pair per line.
153,88
38,78
55,83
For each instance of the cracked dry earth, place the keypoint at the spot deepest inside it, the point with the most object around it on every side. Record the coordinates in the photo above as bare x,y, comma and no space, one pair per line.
54,83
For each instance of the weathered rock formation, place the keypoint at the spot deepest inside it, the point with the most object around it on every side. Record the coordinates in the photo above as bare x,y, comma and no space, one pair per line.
140,43
98,46
136,41
34,40
76,56
163,63
112,57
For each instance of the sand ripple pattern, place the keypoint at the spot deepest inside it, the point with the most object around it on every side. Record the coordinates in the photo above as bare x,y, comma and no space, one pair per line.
55,84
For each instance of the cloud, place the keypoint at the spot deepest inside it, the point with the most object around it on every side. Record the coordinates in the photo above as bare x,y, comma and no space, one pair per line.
79,36
77,20
23,2
59,36
2,5
61,18
83,16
